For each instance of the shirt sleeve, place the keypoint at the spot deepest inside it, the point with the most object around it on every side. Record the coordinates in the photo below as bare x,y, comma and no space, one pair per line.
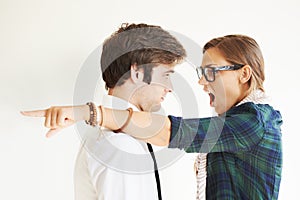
239,129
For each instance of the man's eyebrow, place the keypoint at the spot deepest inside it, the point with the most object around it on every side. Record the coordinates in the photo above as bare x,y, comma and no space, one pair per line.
169,71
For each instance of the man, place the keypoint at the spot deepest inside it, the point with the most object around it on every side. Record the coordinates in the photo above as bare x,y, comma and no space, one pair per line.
136,62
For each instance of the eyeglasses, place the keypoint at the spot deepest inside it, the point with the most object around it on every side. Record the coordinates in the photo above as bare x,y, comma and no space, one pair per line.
210,72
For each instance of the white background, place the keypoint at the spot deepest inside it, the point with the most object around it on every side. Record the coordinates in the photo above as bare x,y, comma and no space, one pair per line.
43,45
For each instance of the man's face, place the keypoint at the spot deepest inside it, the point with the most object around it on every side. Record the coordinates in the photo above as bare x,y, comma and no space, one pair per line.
150,96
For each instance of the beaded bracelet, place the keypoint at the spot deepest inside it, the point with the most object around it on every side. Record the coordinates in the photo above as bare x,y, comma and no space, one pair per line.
94,114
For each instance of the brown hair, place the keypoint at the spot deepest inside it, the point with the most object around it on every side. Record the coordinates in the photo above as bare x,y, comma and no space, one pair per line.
241,49
144,45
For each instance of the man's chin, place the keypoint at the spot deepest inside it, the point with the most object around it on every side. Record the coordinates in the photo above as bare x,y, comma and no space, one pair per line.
155,108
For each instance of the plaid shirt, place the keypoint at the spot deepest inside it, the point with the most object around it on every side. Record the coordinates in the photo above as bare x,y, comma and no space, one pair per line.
244,150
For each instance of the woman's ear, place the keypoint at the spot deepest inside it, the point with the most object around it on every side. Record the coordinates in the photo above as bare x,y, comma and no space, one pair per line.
136,74
245,75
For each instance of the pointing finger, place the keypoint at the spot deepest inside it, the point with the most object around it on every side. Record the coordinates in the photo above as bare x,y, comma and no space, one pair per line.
34,113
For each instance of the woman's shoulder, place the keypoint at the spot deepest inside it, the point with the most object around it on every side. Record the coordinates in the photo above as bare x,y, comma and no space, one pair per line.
265,112
256,107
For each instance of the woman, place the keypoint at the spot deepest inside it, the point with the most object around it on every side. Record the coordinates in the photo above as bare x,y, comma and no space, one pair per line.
243,142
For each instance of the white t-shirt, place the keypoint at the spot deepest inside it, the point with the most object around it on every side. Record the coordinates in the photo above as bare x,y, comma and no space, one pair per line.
114,166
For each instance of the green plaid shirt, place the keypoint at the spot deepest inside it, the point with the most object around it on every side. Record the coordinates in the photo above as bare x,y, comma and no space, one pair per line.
244,150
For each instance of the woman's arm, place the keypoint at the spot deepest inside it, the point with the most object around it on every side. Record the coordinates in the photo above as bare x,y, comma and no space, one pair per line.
240,129
149,127
152,128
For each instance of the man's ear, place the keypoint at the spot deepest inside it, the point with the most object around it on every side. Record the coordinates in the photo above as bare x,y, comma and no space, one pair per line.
137,75
245,75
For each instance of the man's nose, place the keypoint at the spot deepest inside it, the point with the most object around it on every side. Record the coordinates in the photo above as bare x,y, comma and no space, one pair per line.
169,87
168,90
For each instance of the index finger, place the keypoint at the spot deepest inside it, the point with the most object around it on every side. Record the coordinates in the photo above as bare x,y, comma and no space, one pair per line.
34,113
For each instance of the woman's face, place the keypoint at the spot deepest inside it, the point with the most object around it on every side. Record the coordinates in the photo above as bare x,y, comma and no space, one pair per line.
226,90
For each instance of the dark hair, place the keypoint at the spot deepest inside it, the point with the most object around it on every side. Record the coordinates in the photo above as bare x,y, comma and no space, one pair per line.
241,49
144,45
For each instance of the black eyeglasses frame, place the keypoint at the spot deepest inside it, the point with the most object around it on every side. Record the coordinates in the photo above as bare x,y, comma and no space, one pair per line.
203,70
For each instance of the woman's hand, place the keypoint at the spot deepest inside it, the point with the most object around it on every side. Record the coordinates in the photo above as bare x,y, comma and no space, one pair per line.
60,117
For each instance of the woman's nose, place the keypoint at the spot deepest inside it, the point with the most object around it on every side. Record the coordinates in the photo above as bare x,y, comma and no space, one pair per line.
202,81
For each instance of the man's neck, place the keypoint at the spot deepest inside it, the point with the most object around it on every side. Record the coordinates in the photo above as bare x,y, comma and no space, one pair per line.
123,93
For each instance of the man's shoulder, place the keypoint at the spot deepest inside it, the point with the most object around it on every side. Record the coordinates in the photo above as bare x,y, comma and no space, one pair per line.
122,141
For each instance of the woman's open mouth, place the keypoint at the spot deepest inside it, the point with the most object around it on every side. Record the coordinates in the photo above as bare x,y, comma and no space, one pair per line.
211,99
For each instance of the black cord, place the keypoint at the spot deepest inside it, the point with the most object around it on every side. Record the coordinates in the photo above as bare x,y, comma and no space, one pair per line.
155,171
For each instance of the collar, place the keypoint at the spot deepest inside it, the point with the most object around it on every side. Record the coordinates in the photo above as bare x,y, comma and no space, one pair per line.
257,97
117,103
